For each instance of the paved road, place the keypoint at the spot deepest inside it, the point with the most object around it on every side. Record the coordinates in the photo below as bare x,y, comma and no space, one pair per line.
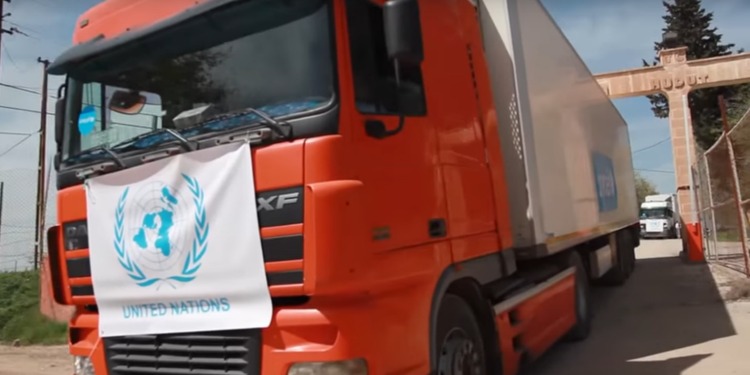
669,319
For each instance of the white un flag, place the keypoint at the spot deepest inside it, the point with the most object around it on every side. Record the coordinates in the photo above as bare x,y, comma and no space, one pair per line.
175,245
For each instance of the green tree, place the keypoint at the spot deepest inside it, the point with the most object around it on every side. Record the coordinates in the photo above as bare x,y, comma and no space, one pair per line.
643,188
692,25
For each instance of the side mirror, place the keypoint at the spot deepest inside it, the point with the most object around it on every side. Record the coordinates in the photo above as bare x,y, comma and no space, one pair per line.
59,120
59,123
60,115
403,31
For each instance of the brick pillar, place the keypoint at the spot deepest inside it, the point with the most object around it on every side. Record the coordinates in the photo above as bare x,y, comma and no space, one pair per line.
680,150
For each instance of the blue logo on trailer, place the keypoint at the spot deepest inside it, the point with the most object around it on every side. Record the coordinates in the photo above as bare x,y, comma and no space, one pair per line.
87,120
606,186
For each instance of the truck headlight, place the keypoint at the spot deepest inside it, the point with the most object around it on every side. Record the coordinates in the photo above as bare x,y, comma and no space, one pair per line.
83,366
76,235
350,367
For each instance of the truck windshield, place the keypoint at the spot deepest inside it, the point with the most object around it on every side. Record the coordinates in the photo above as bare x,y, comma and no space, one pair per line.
285,68
654,213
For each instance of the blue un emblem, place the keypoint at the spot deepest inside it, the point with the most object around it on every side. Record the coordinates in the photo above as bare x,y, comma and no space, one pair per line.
164,236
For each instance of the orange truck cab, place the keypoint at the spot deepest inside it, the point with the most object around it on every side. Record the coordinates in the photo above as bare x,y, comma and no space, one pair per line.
437,182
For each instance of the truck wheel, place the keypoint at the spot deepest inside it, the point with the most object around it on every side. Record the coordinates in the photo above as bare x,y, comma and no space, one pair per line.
583,312
459,341
631,252
625,261
626,243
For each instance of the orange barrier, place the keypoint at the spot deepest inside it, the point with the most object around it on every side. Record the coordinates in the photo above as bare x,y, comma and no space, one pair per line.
693,242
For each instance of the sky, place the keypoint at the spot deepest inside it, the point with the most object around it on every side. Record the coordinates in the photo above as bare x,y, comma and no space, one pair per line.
608,35
612,35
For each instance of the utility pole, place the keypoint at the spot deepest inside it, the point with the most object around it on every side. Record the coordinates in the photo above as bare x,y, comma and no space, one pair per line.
2,31
40,201
2,17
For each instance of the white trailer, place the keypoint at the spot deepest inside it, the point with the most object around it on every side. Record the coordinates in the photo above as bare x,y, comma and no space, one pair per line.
566,147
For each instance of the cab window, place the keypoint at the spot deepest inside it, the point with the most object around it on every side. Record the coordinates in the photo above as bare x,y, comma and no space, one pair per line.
375,88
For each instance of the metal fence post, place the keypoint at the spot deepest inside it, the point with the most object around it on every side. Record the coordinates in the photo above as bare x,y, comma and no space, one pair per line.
735,185
712,234
699,207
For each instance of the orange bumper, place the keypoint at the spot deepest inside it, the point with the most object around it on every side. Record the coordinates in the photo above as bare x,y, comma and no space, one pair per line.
391,338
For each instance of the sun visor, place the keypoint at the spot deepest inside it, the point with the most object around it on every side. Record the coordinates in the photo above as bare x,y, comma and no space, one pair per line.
68,61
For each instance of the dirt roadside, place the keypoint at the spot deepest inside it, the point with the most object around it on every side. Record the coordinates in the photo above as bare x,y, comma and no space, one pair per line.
35,360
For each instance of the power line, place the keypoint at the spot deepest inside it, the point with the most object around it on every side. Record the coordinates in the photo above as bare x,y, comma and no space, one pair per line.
653,170
17,231
652,146
17,226
16,145
19,88
21,26
14,133
12,61
29,90
23,110
32,88
17,31
16,255
52,114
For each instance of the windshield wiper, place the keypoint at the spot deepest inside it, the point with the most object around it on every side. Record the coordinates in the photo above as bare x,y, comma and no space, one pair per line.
93,169
111,155
114,156
184,142
158,137
282,129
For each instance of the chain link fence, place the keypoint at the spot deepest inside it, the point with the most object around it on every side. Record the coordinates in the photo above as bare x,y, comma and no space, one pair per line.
724,196
18,203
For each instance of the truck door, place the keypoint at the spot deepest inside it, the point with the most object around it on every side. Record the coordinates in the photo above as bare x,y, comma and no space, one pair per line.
405,199
457,117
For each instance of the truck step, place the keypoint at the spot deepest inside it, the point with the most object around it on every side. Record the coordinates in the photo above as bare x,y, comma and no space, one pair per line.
502,289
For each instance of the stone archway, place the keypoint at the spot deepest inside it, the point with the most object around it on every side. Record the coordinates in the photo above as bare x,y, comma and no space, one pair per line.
675,77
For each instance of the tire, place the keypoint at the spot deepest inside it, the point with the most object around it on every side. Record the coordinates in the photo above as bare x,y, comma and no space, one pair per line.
461,349
618,275
625,242
625,265
631,253
583,312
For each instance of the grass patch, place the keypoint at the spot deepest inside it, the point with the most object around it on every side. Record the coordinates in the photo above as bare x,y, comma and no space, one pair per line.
20,318
728,236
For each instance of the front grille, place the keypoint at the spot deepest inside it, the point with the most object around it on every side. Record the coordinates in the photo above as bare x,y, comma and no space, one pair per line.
214,353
